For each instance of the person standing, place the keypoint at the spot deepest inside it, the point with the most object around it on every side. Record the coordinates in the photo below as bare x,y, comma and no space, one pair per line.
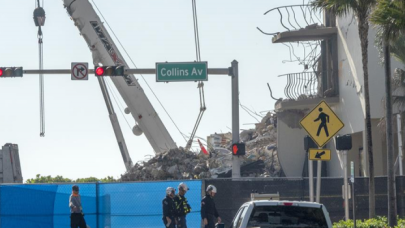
208,210
182,206
76,210
169,212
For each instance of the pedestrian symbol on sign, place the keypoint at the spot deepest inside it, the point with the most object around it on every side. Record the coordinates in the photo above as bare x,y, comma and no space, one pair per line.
324,120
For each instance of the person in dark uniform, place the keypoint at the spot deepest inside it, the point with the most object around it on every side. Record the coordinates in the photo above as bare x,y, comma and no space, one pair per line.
208,210
76,211
182,206
169,211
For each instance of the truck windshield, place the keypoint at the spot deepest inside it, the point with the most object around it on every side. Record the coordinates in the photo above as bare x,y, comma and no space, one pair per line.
287,216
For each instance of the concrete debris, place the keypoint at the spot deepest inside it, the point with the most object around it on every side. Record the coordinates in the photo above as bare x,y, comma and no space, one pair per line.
292,117
261,158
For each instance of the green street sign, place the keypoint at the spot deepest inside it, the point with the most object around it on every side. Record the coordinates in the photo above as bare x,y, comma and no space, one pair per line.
178,72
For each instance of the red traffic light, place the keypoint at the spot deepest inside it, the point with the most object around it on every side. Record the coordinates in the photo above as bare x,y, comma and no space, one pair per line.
109,71
235,149
10,72
238,149
99,71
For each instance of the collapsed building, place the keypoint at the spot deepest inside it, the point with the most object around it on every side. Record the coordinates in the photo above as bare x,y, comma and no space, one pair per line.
261,159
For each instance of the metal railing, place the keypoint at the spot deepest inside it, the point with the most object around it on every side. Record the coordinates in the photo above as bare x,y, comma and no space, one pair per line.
295,17
302,85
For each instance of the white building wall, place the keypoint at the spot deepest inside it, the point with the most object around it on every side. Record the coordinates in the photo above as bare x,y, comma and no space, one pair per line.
351,74
290,149
351,108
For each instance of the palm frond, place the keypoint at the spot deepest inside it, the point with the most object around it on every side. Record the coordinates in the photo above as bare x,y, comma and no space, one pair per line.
398,79
360,8
390,17
381,126
337,7
397,47
399,103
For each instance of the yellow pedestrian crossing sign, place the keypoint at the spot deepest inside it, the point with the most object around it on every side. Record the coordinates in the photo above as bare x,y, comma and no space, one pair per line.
319,154
321,124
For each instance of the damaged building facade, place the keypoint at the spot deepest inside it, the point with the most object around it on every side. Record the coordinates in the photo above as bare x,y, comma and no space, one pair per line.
335,76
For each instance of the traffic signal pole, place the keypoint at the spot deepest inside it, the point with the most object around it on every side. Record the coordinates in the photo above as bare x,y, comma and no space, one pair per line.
235,117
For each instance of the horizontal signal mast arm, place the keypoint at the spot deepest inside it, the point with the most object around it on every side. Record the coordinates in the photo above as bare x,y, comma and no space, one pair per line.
212,71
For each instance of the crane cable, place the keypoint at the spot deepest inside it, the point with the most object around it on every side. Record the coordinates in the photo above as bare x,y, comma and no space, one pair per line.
200,83
120,107
41,80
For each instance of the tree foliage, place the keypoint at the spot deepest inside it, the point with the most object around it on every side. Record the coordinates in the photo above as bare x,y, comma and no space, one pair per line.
389,16
361,8
60,179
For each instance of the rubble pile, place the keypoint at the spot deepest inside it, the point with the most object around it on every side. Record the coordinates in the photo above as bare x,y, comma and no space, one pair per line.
261,158
173,164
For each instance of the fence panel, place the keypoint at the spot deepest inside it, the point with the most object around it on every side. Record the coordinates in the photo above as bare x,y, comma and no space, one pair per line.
105,205
139,204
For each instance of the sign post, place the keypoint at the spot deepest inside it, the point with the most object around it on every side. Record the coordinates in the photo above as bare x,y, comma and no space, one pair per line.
346,185
353,196
311,180
321,124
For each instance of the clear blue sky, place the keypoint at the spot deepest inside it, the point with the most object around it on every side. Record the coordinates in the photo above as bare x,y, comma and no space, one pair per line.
79,140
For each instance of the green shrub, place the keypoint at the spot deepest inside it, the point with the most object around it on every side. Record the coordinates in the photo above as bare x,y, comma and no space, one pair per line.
379,222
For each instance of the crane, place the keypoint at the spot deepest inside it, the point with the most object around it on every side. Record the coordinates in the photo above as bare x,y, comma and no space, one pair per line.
105,52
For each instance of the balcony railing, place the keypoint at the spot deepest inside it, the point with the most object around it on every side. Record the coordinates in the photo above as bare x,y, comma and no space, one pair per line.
301,86
296,17
299,18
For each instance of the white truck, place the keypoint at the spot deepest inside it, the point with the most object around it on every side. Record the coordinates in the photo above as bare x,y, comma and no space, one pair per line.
280,213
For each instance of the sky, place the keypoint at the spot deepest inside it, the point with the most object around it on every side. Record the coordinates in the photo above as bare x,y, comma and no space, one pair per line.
79,140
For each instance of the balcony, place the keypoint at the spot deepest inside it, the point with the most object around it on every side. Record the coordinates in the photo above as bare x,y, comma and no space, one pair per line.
301,23
304,35
304,90
311,38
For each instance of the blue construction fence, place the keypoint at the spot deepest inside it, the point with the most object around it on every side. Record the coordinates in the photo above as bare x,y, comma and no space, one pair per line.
105,205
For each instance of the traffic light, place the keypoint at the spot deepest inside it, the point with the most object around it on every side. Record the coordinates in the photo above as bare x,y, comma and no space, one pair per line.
7,72
344,142
238,149
109,71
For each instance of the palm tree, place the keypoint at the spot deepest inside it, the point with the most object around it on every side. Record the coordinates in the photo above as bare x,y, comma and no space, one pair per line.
390,17
362,10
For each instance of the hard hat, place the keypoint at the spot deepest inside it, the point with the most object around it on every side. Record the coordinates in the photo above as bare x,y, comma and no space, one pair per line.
170,190
212,188
75,188
183,186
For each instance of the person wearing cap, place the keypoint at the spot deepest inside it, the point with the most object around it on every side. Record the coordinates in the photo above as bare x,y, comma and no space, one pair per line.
182,206
76,212
169,211
208,210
